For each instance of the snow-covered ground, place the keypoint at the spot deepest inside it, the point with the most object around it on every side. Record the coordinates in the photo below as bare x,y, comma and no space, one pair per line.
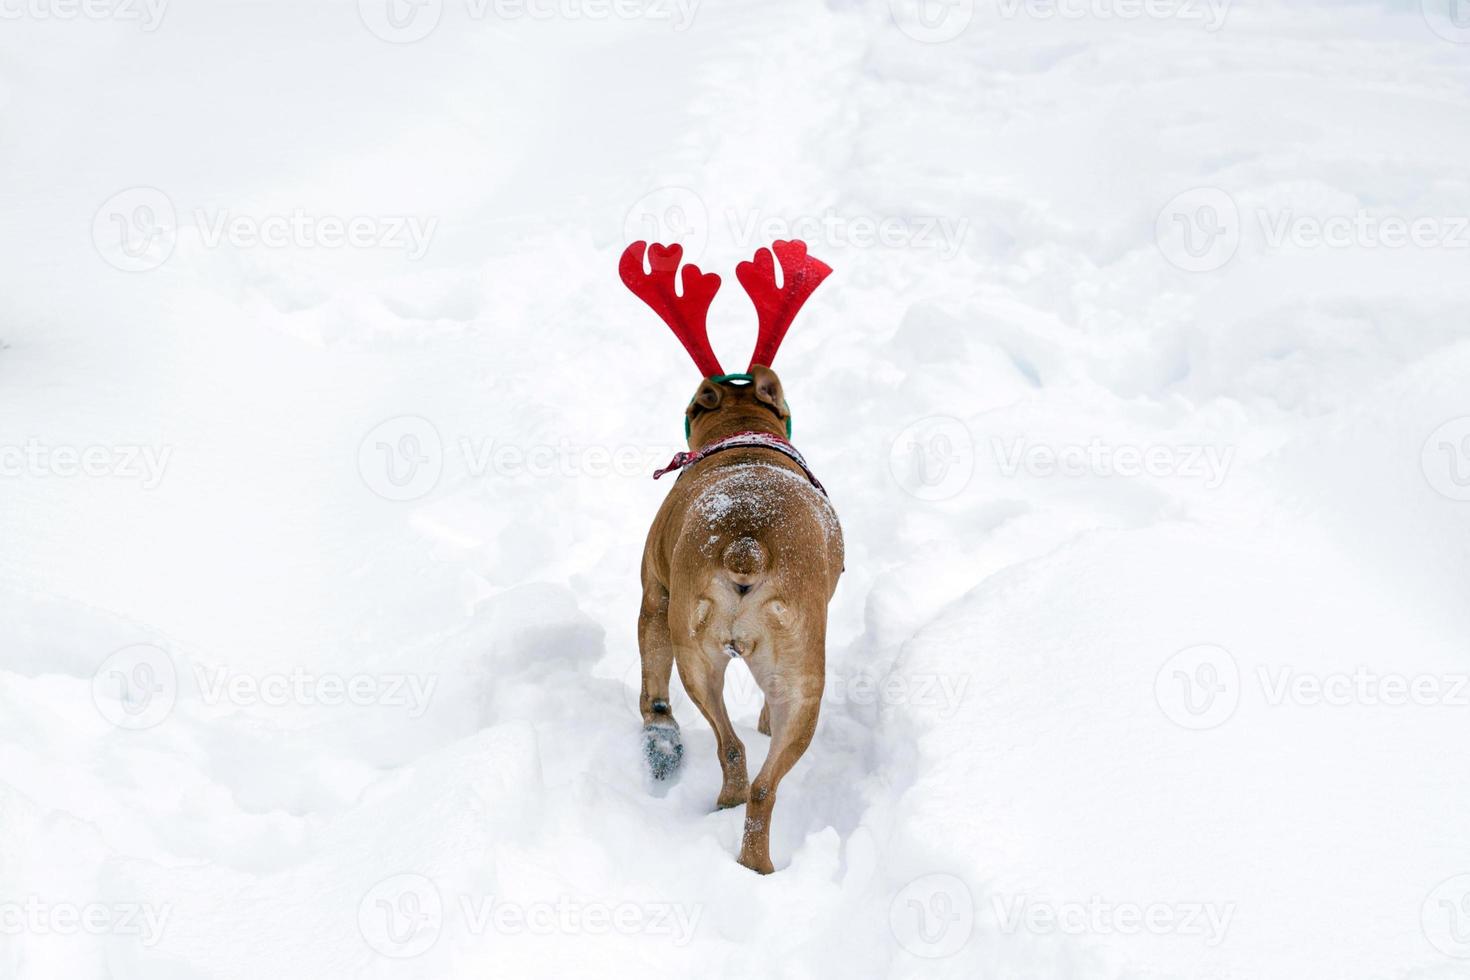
326,429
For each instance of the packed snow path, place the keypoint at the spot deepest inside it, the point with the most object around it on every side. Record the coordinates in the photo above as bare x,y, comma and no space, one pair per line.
1140,388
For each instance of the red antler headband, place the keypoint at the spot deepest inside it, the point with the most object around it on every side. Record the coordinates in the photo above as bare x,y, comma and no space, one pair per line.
684,314
775,307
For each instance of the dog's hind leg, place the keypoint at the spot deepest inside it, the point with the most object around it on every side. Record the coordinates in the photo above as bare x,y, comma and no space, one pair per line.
662,746
794,705
705,682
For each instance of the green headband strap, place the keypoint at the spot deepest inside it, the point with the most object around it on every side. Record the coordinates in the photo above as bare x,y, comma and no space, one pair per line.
722,378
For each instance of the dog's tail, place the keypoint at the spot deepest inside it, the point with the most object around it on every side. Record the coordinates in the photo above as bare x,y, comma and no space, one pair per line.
745,560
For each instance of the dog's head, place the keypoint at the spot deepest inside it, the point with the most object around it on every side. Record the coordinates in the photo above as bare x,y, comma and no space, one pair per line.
726,404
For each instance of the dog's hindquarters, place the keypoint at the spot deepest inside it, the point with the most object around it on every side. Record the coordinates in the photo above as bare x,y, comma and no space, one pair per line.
778,629
741,564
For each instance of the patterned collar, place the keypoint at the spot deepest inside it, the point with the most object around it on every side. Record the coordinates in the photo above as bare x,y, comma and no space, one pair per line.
740,440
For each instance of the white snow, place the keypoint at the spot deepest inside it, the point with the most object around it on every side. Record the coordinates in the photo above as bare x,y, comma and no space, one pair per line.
321,510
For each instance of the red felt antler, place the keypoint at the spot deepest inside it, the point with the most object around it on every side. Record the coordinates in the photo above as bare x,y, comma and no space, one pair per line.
685,314
801,274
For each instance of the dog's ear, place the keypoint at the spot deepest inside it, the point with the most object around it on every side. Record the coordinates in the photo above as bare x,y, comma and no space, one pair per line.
768,389
707,398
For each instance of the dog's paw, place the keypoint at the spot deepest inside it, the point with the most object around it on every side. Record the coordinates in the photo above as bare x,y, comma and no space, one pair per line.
760,864
733,797
662,749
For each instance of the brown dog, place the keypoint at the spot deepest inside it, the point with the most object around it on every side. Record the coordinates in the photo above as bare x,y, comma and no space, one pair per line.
744,555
